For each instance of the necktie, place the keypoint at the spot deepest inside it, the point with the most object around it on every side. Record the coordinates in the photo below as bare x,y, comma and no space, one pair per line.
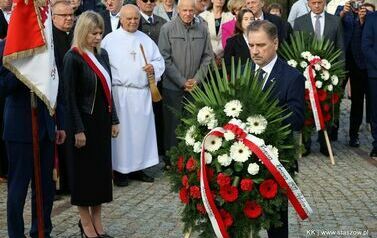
150,19
260,73
317,27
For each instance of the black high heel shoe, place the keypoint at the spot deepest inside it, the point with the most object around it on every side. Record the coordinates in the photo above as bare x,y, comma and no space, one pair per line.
83,232
103,235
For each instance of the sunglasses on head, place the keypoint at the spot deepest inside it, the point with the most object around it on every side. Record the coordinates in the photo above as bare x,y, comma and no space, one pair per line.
151,1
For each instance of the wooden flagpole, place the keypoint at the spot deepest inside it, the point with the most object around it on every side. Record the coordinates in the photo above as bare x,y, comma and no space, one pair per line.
328,144
37,165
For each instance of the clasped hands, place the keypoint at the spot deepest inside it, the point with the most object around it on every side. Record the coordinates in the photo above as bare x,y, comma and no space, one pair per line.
190,84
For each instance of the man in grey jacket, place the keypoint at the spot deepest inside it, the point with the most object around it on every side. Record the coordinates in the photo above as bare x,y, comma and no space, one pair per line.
185,45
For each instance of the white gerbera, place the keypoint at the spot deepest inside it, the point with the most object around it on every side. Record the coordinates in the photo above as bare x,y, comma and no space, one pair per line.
292,63
189,137
325,75
208,157
233,108
307,84
256,124
303,64
212,124
253,168
224,160
213,143
205,115
239,152
318,84
274,151
325,64
330,87
334,80
228,135
306,55
197,147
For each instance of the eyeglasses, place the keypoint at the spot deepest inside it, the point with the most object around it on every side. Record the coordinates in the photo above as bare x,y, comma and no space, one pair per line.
151,1
64,15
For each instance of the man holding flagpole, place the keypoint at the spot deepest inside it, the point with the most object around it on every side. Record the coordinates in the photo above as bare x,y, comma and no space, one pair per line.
31,69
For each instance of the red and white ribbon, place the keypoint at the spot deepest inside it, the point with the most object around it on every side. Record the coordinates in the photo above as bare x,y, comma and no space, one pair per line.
100,71
272,163
313,97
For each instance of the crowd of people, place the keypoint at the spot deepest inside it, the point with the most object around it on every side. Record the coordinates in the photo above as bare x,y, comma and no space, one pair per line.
107,129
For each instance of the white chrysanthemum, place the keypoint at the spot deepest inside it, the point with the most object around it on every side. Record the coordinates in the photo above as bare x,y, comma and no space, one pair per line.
197,147
256,124
292,63
303,64
224,160
239,152
307,84
212,124
306,73
330,87
326,64
317,67
334,80
208,157
325,75
228,135
213,143
189,137
233,108
306,55
253,168
274,151
205,115
318,84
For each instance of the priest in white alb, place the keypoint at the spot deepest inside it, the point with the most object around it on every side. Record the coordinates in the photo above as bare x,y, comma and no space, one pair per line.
136,146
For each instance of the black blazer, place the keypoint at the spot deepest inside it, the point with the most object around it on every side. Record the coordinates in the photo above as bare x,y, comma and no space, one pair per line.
333,28
106,18
289,88
236,47
3,25
152,30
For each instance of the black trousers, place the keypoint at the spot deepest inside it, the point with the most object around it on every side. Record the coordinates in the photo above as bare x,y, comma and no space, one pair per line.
359,82
3,154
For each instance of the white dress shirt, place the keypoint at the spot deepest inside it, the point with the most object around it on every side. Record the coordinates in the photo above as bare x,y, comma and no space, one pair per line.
7,15
114,19
321,20
267,69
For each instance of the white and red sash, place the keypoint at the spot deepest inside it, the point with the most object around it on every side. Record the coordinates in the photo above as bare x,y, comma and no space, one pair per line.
257,146
313,97
100,71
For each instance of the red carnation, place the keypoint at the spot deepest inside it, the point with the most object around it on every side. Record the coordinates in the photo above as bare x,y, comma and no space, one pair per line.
268,188
185,182
184,196
210,173
191,164
335,98
326,117
180,163
246,185
322,95
252,209
223,180
201,209
308,122
227,218
326,107
306,94
195,192
229,193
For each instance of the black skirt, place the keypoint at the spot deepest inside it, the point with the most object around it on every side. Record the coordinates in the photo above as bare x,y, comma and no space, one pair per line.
92,170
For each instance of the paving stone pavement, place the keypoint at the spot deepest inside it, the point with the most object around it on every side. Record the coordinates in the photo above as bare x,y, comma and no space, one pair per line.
343,198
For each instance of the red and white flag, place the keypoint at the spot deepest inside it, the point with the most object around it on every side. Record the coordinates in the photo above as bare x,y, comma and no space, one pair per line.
29,49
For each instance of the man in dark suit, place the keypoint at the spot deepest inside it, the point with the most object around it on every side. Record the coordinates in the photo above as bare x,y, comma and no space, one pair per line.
284,29
353,21
369,48
5,12
18,138
111,15
288,87
328,27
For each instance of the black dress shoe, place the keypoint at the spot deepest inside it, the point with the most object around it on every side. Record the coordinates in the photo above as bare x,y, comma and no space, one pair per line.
354,143
141,176
324,151
105,236
373,154
121,182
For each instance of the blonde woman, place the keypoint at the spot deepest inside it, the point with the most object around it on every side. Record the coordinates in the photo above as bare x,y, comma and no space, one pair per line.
94,121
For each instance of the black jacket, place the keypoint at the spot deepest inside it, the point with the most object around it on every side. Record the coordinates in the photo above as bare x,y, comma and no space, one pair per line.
152,30
3,25
106,19
81,84
236,47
